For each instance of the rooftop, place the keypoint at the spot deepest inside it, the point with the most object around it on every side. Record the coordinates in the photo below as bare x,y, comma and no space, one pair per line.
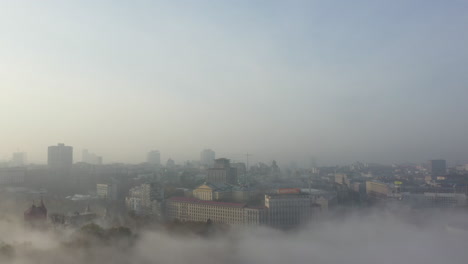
194,200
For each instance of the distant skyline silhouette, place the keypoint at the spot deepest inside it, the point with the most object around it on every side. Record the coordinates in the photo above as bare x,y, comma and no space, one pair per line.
334,81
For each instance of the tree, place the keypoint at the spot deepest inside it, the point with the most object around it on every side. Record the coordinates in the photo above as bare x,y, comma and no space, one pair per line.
6,251
92,230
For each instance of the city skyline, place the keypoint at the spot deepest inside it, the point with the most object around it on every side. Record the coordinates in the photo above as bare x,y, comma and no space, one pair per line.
248,131
375,81
236,157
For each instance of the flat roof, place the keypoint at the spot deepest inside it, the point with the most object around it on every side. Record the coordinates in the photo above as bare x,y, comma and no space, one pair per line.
195,200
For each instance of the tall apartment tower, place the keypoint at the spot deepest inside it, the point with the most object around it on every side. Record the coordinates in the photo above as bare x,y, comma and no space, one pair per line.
438,168
91,158
222,172
207,157
154,157
60,157
18,159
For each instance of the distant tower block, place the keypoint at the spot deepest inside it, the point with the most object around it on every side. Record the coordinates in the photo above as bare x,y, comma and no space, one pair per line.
207,157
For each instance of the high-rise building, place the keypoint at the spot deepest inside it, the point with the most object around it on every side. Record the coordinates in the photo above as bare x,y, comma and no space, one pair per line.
91,158
18,159
241,170
170,163
207,157
60,157
438,168
154,157
85,155
222,172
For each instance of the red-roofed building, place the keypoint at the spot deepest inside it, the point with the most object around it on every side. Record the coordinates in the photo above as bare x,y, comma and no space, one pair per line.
286,209
192,209
36,214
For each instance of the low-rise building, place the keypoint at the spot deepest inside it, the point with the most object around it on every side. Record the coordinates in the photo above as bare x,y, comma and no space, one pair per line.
284,209
435,200
290,209
80,218
146,199
196,210
106,191
223,192
379,190
14,175
342,178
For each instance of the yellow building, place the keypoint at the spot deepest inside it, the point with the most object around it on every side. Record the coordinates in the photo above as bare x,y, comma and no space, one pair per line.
213,192
377,189
204,192
341,178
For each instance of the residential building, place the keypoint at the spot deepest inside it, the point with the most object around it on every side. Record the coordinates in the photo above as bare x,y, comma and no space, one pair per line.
15,175
170,164
207,157
91,158
342,178
241,170
437,168
18,159
435,200
60,157
222,172
146,199
290,207
154,157
107,191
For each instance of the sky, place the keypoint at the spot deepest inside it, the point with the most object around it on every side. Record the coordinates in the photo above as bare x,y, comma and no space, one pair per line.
334,81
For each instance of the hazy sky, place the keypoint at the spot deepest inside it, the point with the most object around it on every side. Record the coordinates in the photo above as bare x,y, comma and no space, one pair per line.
383,81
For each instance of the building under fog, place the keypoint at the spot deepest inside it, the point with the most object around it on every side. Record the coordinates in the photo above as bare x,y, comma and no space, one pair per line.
196,210
60,157
18,159
12,176
380,190
241,171
146,199
154,157
285,208
223,192
207,157
437,168
434,200
81,218
36,214
222,173
91,158
290,208
107,191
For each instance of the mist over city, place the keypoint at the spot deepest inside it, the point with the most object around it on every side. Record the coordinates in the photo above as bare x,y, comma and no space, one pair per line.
233,131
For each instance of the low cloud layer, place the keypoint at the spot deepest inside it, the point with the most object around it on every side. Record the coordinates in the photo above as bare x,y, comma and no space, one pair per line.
381,237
